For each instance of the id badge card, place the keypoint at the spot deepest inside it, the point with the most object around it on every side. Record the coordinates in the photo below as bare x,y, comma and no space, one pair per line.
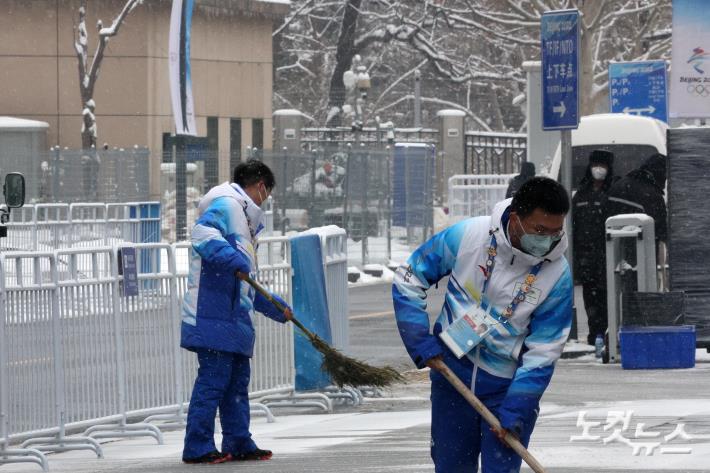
466,332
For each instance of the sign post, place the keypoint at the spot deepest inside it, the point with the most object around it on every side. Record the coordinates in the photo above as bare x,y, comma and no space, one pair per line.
639,88
180,73
559,43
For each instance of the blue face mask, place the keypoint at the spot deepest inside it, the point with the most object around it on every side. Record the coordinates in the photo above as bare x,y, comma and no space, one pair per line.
536,245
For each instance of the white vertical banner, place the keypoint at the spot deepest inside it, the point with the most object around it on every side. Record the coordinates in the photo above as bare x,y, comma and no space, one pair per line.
179,63
690,65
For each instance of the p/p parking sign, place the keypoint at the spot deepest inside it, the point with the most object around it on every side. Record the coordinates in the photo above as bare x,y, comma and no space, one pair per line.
639,88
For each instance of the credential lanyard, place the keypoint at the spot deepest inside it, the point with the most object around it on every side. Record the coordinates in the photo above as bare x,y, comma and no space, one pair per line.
524,287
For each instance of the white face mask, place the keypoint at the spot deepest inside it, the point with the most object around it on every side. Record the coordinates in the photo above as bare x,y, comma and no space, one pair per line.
599,173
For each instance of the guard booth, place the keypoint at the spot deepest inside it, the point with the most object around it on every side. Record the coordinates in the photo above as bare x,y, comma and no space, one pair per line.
630,248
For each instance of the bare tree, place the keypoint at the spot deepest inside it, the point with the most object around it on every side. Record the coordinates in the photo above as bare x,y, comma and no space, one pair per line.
470,52
611,30
89,71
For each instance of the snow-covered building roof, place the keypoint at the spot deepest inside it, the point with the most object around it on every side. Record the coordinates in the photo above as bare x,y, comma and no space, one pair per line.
264,8
288,112
21,124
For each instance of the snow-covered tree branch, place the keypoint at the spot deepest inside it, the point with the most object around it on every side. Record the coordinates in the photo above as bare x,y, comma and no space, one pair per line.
89,72
469,52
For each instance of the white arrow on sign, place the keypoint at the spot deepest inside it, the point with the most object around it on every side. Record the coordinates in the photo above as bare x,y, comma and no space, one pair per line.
561,109
649,109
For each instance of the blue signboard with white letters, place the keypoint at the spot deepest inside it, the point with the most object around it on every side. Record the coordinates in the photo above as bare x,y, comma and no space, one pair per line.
560,69
639,88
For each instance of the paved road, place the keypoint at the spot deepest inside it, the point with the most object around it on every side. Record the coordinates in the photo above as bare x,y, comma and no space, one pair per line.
373,331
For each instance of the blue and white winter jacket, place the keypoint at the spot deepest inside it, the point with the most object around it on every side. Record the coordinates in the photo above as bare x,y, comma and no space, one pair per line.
523,350
218,308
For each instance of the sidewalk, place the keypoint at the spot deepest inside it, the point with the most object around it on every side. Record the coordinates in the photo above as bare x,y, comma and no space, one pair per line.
594,418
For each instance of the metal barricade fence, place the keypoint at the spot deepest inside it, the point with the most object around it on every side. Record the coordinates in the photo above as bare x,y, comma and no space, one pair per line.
27,370
86,300
348,187
121,226
52,226
336,283
149,333
138,222
34,362
273,365
22,222
62,175
46,227
494,153
472,195
88,225
75,353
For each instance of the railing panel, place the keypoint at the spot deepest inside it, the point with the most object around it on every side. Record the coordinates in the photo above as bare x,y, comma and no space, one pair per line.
273,363
148,333
86,293
494,153
28,345
473,195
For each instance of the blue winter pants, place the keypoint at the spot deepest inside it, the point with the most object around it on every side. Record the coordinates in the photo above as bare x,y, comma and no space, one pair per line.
459,434
222,382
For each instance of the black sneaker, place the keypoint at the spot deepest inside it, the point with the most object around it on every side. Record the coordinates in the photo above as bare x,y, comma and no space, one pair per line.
211,458
257,454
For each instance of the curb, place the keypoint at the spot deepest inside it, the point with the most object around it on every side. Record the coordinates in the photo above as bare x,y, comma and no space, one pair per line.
577,353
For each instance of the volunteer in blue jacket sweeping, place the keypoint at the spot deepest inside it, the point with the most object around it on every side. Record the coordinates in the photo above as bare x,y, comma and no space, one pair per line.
217,312
510,286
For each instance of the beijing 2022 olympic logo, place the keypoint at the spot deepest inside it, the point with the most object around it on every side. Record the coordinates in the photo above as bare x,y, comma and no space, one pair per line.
697,59
699,86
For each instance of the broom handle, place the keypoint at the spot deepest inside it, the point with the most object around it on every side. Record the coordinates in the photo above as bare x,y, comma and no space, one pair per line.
276,303
510,439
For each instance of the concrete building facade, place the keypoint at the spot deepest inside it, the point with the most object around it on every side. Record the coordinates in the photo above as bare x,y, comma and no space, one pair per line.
232,69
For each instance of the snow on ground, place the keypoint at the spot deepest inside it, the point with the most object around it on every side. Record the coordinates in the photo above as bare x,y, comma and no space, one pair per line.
378,261
377,251
632,435
290,434
559,441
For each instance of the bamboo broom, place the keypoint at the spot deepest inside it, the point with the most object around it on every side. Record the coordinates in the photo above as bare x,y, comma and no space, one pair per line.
342,369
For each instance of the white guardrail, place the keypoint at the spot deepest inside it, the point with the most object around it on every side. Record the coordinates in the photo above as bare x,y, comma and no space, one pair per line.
473,195
46,227
79,361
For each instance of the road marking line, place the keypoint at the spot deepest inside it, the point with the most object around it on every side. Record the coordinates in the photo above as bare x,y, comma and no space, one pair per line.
371,315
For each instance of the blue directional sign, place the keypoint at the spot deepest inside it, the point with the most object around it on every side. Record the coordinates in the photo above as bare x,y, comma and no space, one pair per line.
560,69
639,88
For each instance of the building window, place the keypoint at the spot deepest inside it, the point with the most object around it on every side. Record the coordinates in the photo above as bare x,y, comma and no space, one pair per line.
257,136
167,148
235,143
211,158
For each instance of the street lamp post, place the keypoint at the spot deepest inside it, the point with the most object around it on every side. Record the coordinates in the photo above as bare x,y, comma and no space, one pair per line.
357,79
417,99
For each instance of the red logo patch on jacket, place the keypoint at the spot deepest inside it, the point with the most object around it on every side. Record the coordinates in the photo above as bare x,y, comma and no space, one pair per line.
483,270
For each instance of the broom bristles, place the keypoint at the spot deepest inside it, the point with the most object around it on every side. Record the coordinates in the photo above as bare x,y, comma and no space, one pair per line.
344,370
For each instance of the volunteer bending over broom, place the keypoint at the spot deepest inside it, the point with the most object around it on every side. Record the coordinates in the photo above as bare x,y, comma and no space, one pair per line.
217,311
505,320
